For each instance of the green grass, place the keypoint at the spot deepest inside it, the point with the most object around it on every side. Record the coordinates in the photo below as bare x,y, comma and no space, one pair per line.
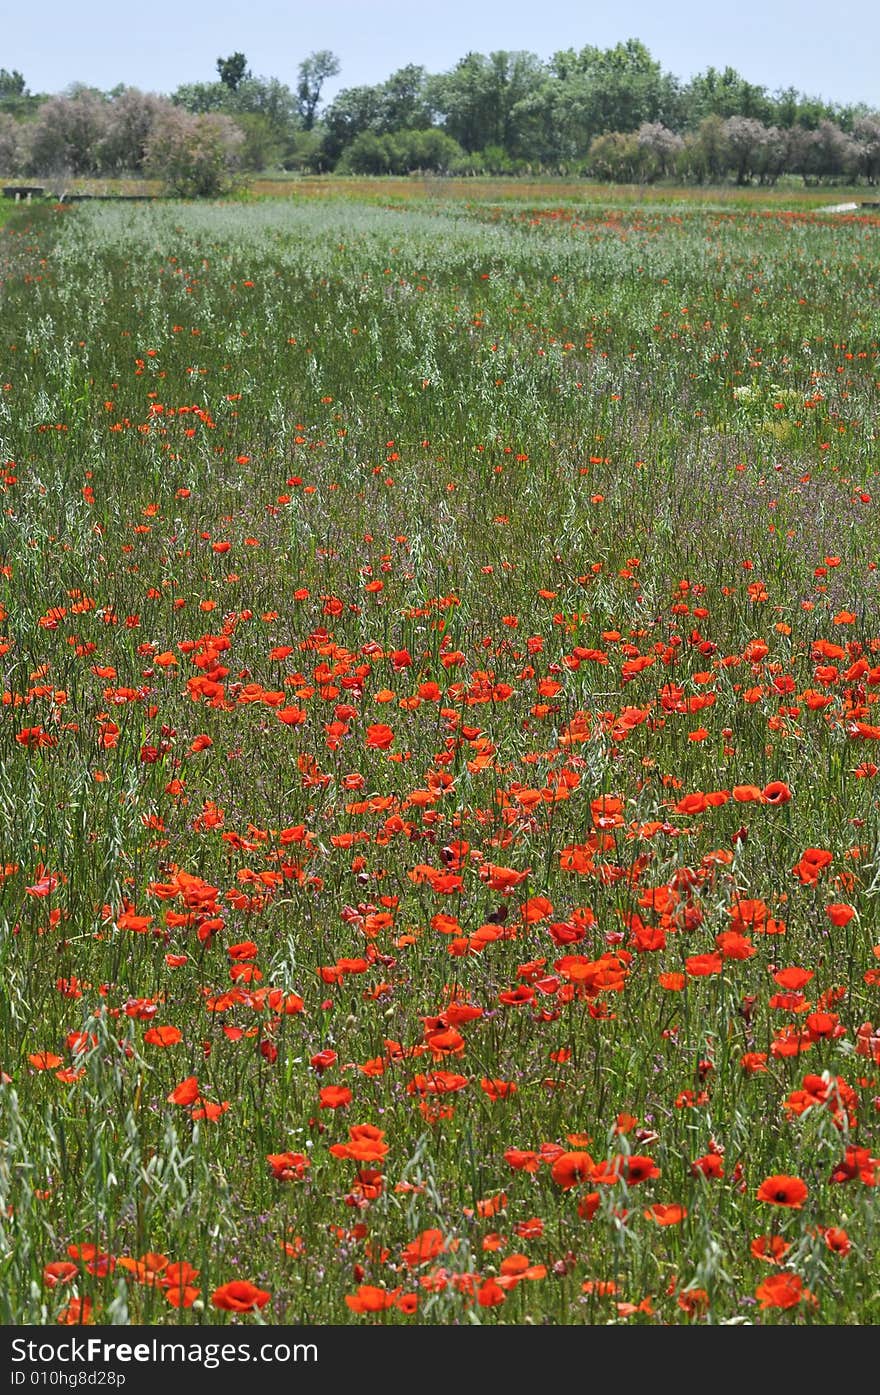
508,508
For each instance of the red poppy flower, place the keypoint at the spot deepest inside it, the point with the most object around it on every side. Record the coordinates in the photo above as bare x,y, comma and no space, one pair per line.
777,792
498,1089
703,965
335,1096
323,1060
772,1249
424,1248
672,982
490,1294
59,1271
588,1205
182,1296
45,1060
754,1062
631,1169
379,737
179,1274
858,1163
522,1160
733,945
239,1296
370,1299
666,1215
286,1166
793,979
365,1144
77,1313
163,1036
710,1165
571,1168
439,1082
748,794
811,864
187,1092
839,913
781,1291
781,1190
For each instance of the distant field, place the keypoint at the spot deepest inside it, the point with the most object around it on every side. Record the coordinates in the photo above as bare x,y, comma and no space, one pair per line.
563,191
485,188
440,655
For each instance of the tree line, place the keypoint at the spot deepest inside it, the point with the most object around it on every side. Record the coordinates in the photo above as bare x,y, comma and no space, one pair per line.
603,113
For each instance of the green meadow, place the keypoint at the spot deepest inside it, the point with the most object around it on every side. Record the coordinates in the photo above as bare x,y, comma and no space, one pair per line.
439,656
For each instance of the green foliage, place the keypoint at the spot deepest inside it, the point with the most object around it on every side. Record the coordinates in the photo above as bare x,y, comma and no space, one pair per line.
510,112
313,73
401,153
233,70
263,148
12,84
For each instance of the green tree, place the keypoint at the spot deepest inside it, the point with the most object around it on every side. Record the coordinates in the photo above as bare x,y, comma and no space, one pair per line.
233,70
401,152
792,108
725,94
261,149
354,111
404,100
270,100
313,73
623,86
12,84
615,155
706,153
202,97
481,100
15,98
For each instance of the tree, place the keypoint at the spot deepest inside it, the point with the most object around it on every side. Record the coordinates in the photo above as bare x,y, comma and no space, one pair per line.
313,73
131,115
201,97
306,152
405,106
725,94
837,153
233,70
615,155
866,131
745,138
196,156
368,153
620,87
67,132
269,99
354,110
773,155
401,152
706,154
13,148
792,108
481,99
660,149
261,149
12,84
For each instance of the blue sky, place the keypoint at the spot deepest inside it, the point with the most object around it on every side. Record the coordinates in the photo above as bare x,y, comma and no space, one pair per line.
823,49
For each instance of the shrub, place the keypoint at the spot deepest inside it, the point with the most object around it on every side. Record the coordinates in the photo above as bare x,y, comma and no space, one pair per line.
195,156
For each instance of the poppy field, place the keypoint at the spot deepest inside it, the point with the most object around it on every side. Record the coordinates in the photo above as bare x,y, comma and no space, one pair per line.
440,656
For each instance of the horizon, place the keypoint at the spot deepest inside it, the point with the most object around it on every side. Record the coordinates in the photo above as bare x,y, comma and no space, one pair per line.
374,39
